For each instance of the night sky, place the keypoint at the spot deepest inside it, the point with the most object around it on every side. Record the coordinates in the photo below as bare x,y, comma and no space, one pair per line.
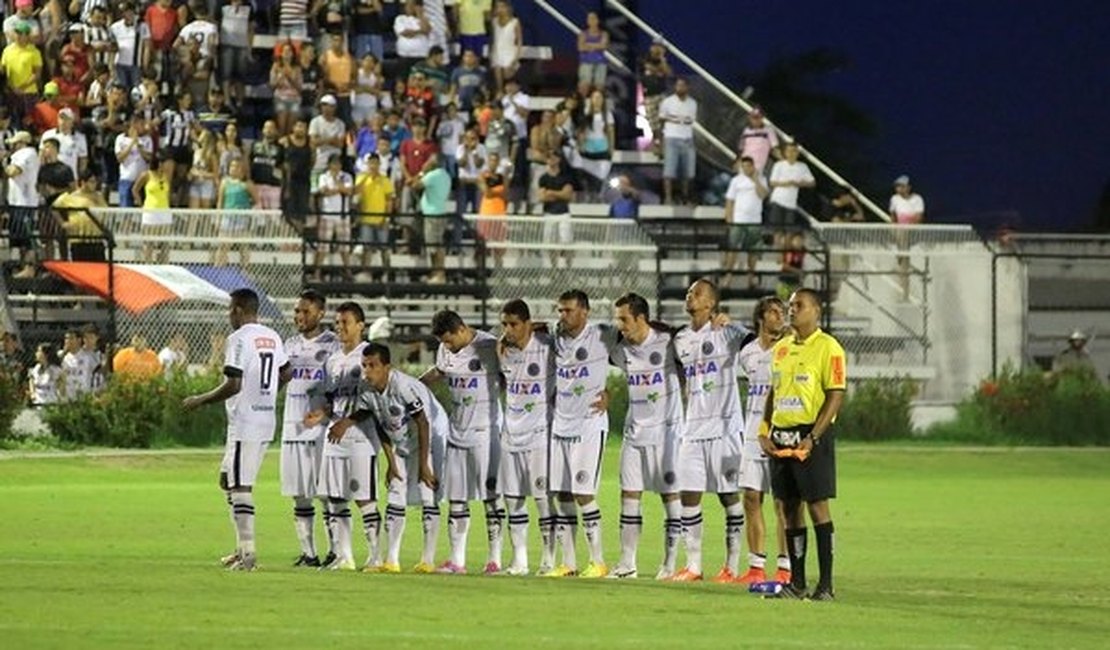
991,107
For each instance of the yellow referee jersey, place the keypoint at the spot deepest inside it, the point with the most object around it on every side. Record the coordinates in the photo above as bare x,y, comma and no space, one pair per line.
801,373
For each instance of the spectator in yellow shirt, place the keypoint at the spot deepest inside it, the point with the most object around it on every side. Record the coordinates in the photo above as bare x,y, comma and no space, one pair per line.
375,198
21,62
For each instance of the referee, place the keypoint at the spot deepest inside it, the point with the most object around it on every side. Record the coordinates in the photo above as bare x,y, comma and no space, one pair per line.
807,388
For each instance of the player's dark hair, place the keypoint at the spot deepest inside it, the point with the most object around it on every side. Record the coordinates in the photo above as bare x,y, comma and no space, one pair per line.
246,300
713,290
74,333
637,305
50,353
576,295
314,297
812,294
761,308
353,309
446,322
519,308
379,350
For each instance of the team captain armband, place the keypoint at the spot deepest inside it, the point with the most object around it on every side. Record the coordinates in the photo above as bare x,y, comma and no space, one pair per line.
764,429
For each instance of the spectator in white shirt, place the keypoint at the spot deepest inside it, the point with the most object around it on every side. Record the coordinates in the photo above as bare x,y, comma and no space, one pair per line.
787,177
906,206
413,36
678,113
744,216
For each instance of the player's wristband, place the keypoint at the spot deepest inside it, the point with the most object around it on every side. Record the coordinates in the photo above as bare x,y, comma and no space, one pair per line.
764,429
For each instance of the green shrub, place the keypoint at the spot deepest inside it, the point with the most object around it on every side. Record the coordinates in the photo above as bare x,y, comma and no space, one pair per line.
1033,408
877,409
148,413
11,402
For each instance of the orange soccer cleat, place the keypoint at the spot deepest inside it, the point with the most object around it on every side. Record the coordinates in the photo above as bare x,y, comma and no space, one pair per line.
686,575
752,576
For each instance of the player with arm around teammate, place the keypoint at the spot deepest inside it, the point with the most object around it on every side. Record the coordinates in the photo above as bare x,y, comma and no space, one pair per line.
467,362
302,446
579,427
414,428
349,467
710,451
652,430
755,471
808,378
528,366
255,366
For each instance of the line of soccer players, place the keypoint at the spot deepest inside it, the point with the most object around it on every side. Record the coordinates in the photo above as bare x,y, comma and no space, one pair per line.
528,420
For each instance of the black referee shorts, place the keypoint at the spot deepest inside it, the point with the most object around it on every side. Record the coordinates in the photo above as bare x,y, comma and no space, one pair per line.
811,480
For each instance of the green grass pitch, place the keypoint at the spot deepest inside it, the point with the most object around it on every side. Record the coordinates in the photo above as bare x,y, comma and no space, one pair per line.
936,548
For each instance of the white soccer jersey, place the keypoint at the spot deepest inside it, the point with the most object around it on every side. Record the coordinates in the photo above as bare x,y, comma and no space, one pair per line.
529,393
343,372
403,399
473,376
78,374
95,361
306,388
254,353
654,392
708,358
581,366
755,363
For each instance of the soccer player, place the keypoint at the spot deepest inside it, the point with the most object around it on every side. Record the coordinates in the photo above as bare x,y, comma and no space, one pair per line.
349,470
769,319
467,360
255,366
709,455
578,429
302,446
528,365
808,377
652,430
415,429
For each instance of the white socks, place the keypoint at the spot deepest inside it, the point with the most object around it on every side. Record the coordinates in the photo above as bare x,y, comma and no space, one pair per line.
458,526
566,530
242,508
341,525
429,521
692,524
631,524
547,532
394,531
591,525
518,530
372,526
734,532
495,525
304,520
672,533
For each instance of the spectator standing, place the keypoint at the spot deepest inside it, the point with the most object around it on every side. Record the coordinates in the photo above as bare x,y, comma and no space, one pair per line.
471,156
129,35
286,80
267,160
73,146
679,112
543,140
492,229
516,104
55,178
627,203
98,36
1075,355
24,15
22,172
83,235
78,50
154,187
473,16
336,188
236,193
203,175
415,154
216,114
311,78
134,150
508,43
597,139
21,62
413,36
366,94
198,49
327,133
655,77
375,209
788,176
556,193
759,141
230,146
174,357
298,176
501,136
76,379
137,361
844,208
435,186
161,29
593,41
293,20
176,141
338,67
907,208
236,38
449,136
468,79
368,27
331,17
421,102
436,13
436,76
744,216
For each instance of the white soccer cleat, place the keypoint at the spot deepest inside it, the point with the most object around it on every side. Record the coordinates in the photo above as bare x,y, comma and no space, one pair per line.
623,573
516,571
245,563
343,564
228,560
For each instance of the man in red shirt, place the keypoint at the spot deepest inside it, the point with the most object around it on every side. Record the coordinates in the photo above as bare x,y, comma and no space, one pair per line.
162,21
44,115
78,51
415,153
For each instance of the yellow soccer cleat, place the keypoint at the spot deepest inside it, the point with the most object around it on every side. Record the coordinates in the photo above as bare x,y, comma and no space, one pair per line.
423,567
561,571
389,567
371,567
595,571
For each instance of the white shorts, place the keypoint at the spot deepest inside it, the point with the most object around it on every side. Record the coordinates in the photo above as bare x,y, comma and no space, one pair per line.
557,229
755,473
649,468
300,467
524,473
576,464
242,460
409,491
470,473
709,466
351,477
